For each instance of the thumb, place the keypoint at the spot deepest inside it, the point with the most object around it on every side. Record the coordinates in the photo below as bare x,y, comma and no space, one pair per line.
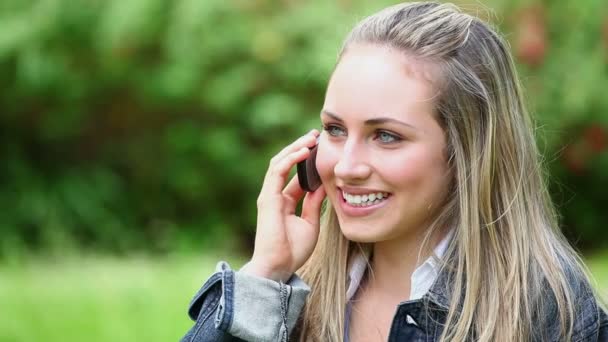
311,208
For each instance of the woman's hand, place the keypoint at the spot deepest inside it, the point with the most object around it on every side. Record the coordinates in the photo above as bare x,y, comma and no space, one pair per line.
284,241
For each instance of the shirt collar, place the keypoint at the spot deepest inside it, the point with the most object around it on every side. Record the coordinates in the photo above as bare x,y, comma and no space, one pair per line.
422,278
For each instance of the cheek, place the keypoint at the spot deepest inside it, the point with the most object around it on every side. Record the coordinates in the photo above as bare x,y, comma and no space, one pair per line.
398,170
325,163
412,169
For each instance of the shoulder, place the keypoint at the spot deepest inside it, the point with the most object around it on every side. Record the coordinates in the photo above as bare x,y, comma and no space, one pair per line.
588,318
602,334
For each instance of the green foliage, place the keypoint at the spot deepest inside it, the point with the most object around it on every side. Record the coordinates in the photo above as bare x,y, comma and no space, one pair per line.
148,124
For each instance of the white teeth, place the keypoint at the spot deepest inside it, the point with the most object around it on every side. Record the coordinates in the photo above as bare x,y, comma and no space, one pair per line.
364,200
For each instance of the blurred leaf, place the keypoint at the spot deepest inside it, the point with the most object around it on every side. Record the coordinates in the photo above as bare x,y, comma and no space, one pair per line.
146,124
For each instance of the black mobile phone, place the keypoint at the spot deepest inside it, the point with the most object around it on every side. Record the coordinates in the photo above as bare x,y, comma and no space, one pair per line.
307,171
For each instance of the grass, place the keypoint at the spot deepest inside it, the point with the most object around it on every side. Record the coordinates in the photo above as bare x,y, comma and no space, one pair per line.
107,299
100,299
598,264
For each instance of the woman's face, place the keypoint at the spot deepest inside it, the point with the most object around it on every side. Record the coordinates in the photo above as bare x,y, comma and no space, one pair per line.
381,156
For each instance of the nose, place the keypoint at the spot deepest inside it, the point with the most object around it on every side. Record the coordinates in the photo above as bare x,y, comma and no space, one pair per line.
352,164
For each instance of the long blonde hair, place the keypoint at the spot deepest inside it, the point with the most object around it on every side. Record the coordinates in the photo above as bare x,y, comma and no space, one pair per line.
507,250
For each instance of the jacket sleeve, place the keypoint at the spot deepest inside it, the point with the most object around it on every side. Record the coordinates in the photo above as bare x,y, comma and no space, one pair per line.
234,306
603,327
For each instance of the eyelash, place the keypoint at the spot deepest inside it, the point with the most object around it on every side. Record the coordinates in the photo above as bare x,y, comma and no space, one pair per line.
330,127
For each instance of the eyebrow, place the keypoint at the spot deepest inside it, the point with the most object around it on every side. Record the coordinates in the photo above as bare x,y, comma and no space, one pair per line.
370,122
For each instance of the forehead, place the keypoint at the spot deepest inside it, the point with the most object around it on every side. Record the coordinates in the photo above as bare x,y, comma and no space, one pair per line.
375,80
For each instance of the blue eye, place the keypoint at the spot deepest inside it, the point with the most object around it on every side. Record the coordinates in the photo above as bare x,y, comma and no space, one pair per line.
386,137
333,130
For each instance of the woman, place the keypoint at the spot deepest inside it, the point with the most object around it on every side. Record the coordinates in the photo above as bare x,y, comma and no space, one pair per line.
438,225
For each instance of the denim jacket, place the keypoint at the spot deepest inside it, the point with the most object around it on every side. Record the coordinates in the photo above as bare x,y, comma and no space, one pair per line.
232,306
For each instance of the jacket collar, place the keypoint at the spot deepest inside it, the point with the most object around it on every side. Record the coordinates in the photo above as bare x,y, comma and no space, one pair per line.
440,292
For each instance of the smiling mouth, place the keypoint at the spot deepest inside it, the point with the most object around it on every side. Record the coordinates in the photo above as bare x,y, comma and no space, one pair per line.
364,200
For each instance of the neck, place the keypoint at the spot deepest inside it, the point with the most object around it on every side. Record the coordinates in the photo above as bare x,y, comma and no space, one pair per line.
395,260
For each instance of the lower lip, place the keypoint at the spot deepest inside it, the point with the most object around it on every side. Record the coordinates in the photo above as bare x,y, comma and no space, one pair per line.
358,211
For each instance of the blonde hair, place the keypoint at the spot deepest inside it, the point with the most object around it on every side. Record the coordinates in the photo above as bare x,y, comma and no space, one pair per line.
507,251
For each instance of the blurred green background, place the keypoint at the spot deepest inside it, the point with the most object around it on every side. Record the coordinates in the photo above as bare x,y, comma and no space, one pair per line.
134,136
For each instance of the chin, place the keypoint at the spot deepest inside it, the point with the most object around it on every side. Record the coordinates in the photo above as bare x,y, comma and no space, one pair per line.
360,239
361,232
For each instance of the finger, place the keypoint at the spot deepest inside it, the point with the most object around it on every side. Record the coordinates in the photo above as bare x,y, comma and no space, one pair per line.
277,175
307,140
311,208
304,141
293,190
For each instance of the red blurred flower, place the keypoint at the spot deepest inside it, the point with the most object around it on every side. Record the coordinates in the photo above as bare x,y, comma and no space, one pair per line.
531,36
575,158
595,137
605,33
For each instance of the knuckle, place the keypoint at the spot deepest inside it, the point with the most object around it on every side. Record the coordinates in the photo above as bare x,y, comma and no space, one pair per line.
260,200
272,172
278,168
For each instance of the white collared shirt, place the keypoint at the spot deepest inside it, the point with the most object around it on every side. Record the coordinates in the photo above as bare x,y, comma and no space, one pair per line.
422,278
